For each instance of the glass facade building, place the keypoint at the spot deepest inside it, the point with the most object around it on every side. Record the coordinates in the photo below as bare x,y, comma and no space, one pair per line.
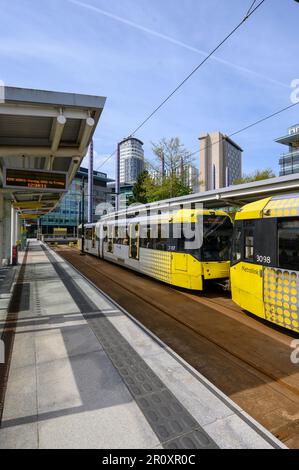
68,212
289,161
126,193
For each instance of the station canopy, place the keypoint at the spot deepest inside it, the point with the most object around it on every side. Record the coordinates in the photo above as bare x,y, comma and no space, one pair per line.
231,196
44,136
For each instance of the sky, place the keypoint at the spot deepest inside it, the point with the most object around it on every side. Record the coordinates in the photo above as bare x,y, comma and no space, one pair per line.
135,52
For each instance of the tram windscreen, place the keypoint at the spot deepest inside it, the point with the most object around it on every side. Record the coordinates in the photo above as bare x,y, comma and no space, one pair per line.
217,237
288,243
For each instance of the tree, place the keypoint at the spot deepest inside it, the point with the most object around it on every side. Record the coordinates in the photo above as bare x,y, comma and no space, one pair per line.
150,189
170,186
171,155
170,180
140,188
257,175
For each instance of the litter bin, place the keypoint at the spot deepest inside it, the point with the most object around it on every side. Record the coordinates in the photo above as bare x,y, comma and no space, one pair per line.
14,260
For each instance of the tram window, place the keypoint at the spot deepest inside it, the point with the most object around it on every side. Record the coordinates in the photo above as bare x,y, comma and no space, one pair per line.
105,237
80,233
127,239
146,240
288,243
237,242
115,234
217,234
88,234
162,243
249,240
121,237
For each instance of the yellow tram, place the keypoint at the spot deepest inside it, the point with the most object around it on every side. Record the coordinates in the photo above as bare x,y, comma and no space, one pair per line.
265,260
147,244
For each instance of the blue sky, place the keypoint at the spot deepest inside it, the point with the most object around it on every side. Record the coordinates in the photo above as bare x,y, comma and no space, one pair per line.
136,51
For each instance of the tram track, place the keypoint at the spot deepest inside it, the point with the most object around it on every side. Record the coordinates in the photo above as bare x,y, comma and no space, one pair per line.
268,390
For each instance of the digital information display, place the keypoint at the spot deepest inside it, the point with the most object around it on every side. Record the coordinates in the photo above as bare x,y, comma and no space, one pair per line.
34,179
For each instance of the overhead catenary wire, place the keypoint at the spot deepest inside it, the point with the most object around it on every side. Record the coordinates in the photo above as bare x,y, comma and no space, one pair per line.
249,126
250,12
243,129
105,161
246,17
251,6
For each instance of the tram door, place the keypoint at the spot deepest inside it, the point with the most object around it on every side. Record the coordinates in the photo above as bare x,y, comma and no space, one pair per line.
247,273
134,241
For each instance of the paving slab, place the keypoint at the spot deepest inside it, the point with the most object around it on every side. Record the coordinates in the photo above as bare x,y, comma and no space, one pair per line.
84,374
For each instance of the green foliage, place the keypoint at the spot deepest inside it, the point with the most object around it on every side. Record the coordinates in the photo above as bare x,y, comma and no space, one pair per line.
156,187
173,153
170,186
257,175
149,189
140,188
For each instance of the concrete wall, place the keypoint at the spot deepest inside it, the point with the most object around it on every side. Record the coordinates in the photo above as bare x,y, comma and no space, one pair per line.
1,228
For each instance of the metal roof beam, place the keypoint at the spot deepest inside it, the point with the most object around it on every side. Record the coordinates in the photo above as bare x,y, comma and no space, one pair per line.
38,151
89,125
59,124
48,112
49,163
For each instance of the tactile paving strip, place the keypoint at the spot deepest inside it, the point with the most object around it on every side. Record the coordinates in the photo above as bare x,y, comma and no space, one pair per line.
172,423
6,279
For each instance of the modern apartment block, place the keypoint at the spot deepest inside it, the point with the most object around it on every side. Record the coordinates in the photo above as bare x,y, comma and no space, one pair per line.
220,161
131,160
289,161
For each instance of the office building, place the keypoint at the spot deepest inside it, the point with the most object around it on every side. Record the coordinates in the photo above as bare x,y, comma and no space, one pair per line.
220,161
67,214
125,197
190,176
131,160
289,161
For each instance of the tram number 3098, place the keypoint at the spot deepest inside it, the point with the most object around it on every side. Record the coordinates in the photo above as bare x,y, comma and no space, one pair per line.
263,259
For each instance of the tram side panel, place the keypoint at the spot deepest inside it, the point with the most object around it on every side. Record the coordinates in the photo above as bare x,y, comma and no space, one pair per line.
123,244
173,268
177,269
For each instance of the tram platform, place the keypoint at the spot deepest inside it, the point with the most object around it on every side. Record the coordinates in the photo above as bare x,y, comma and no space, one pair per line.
7,275
80,372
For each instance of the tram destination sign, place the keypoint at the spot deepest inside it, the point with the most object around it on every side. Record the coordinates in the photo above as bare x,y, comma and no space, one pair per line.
15,178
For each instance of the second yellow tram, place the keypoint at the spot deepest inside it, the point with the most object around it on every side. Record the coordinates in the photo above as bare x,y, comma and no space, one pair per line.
265,260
